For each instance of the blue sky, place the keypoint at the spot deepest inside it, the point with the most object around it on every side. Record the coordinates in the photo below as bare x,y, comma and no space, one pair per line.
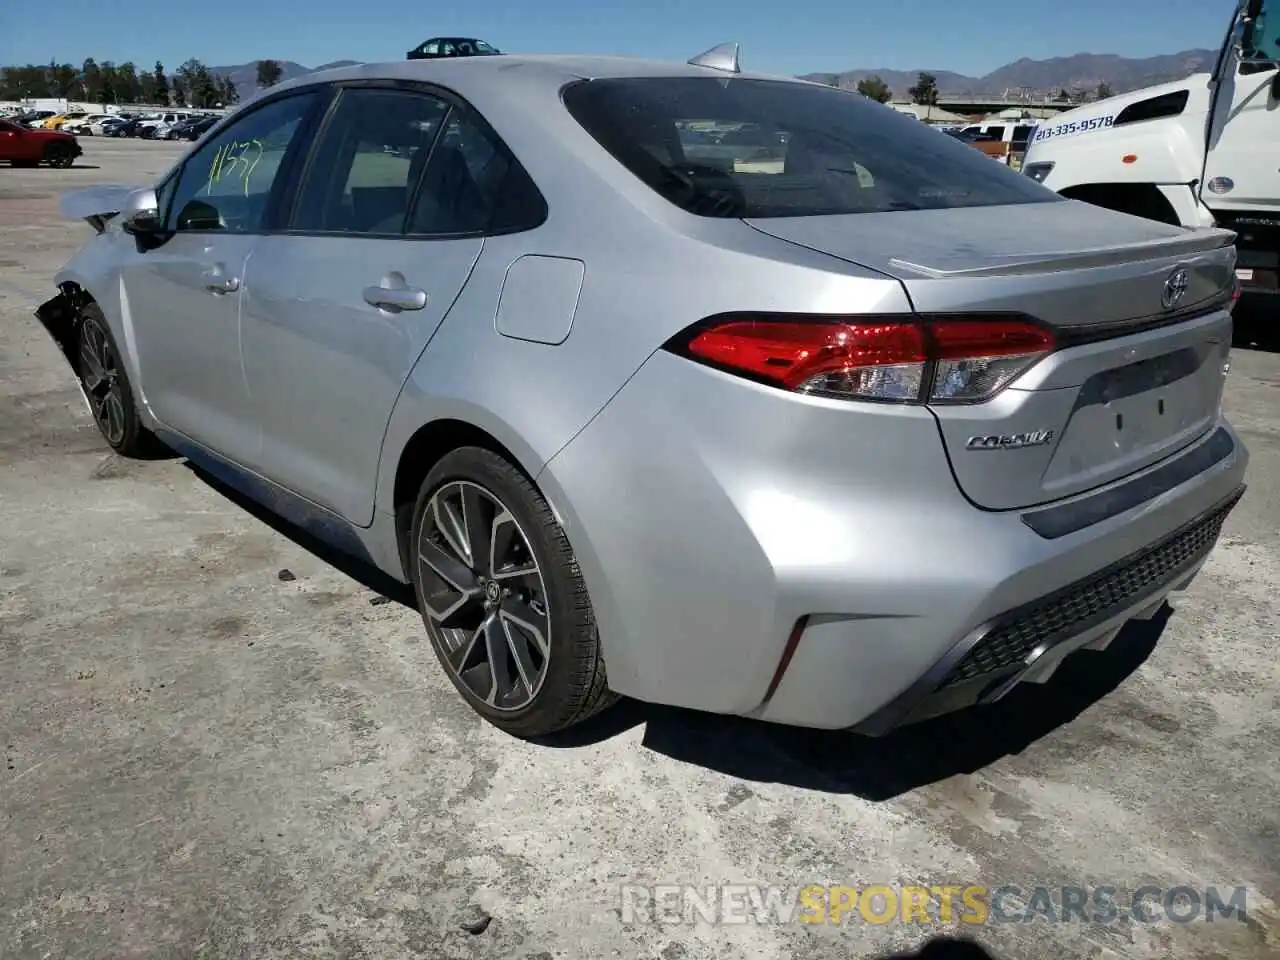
969,36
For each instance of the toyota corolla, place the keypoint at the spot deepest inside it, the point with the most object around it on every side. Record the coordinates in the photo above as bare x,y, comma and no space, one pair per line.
844,427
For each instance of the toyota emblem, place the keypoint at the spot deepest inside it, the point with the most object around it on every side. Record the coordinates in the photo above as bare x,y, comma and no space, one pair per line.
1175,288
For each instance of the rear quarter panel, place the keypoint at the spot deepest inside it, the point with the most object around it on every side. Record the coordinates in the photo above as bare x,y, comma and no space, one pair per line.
642,284
650,271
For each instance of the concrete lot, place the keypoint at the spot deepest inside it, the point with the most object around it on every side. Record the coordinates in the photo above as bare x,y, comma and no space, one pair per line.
202,759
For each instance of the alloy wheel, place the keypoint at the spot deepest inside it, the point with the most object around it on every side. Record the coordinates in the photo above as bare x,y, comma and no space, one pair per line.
100,374
484,595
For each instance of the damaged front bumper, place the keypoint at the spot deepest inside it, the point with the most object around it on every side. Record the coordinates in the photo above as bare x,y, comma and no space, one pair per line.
58,316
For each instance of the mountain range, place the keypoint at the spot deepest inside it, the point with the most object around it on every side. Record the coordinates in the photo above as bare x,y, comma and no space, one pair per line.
1083,72
245,75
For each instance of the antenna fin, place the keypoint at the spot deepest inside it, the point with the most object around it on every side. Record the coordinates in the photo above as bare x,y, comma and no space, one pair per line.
723,57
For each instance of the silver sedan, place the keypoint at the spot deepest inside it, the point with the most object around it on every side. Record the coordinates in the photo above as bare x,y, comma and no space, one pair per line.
739,393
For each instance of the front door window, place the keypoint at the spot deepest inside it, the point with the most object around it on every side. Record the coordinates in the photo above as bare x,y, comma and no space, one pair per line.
227,183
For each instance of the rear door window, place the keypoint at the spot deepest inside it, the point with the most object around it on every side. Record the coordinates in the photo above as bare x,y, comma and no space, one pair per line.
721,147
474,184
368,162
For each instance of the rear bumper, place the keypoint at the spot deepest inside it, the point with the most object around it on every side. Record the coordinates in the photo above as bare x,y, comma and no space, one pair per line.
1028,643
813,563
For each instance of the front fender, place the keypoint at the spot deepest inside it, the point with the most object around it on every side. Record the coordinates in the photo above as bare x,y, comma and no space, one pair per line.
1166,149
60,318
93,275
1159,154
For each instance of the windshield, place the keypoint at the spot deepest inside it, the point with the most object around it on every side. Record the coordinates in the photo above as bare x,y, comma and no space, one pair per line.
722,147
484,48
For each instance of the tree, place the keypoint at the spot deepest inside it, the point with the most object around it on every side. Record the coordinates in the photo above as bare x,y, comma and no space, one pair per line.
109,82
160,85
875,88
21,83
196,85
128,84
227,91
65,79
269,73
925,90
1103,91
91,80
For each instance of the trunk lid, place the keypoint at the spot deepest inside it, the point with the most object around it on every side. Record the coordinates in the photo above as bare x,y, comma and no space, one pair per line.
1132,382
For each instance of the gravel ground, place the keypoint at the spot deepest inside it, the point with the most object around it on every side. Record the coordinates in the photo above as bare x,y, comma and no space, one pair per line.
204,758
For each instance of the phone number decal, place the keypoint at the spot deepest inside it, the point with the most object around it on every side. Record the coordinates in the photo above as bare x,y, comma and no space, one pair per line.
1075,126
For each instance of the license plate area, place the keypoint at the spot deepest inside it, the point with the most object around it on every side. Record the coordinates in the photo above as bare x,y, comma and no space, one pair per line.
1257,258
1130,416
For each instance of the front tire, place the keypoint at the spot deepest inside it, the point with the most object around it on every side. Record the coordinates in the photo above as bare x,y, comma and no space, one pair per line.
59,155
503,599
107,389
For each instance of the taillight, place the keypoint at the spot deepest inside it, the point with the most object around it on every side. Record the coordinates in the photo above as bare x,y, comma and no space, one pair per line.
904,360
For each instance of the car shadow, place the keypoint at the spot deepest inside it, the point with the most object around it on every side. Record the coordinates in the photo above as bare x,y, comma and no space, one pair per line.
1257,324
365,574
945,948
884,767
832,761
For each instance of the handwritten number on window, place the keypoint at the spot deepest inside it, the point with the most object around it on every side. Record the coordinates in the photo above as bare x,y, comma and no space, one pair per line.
234,161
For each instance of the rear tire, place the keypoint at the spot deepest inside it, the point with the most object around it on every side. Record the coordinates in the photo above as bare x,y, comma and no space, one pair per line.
509,617
107,389
59,155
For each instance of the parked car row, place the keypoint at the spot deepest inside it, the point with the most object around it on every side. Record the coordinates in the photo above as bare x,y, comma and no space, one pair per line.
175,125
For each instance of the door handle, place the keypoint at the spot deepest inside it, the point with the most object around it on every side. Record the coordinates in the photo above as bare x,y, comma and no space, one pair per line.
394,294
216,281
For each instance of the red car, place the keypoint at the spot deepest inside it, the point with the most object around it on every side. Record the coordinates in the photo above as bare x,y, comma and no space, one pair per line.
25,147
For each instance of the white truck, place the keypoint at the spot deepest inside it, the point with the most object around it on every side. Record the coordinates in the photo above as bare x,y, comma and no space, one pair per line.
1199,152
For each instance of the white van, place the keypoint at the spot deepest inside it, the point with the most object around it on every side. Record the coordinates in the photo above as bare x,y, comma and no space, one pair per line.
1016,133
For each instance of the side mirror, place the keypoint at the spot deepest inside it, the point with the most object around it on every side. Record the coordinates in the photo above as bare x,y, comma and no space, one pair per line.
141,213
1253,37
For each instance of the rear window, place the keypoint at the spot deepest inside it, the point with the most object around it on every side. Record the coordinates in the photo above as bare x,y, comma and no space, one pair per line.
722,147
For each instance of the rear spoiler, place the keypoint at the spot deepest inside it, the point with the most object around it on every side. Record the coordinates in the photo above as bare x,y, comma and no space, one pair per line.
95,205
1186,244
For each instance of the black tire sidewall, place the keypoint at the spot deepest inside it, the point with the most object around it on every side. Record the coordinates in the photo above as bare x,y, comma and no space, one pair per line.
57,154
571,627
135,435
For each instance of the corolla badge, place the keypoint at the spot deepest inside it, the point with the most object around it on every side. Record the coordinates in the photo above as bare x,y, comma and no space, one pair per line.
1010,441
1175,288
1221,185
